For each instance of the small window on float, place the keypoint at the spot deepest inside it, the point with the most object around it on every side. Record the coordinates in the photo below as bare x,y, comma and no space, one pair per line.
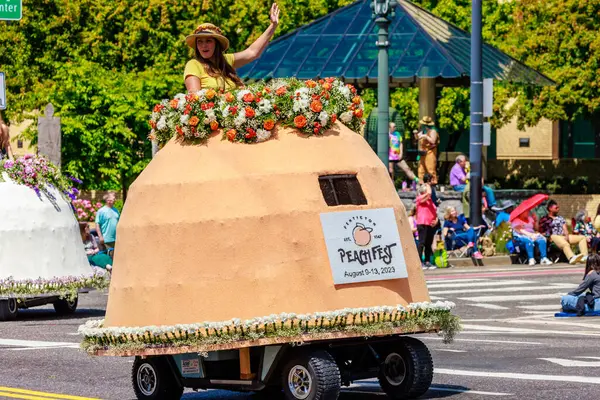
341,190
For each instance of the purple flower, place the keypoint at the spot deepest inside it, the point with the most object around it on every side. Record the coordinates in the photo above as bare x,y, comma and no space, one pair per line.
9,163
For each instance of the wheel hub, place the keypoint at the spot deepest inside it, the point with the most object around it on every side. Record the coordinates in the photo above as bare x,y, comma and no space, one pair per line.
394,369
146,379
12,306
299,382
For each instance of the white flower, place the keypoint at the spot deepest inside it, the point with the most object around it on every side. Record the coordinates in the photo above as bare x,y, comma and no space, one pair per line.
323,118
346,117
262,135
210,114
162,123
184,119
264,106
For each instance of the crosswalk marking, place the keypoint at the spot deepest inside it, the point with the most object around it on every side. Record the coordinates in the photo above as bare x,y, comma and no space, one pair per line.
456,280
549,307
521,297
483,329
479,284
502,289
510,375
489,306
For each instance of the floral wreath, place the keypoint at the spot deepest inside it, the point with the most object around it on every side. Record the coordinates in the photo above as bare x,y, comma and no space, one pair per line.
250,115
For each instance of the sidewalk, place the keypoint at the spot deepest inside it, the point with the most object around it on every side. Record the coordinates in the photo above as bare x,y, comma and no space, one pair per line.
555,268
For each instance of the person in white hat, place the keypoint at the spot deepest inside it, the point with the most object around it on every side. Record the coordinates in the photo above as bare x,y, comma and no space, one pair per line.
211,67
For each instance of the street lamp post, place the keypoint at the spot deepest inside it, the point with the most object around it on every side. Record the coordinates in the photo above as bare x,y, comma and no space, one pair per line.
383,13
476,134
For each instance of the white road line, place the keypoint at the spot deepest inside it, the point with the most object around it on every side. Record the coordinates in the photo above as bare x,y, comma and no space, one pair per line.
455,280
75,346
518,297
507,330
563,362
552,322
436,298
510,375
482,340
488,306
479,284
543,313
34,343
541,307
451,350
501,289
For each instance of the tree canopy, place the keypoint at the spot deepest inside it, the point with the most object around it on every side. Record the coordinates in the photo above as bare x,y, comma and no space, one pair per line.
105,64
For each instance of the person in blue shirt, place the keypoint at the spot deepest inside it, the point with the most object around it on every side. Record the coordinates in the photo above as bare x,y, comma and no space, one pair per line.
458,233
503,211
107,219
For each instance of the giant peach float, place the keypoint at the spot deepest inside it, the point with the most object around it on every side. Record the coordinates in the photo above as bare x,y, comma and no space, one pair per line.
232,254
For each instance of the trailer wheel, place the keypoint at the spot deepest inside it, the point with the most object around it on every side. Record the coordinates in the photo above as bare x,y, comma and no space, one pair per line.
8,309
311,376
65,306
153,380
407,369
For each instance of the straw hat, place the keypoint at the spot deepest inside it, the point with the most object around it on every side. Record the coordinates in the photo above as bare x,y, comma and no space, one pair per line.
426,121
206,31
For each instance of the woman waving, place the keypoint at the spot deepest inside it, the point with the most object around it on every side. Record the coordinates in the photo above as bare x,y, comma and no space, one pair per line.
212,68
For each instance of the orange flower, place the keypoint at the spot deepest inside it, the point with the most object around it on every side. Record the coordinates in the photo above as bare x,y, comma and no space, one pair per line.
356,100
269,124
152,124
214,125
210,93
173,103
251,133
250,112
229,97
358,113
194,121
333,118
300,121
311,83
281,91
316,106
248,98
327,86
267,90
179,130
231,134
158,107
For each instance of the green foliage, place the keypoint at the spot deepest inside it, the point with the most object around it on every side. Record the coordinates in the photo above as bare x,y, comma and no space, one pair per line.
500,236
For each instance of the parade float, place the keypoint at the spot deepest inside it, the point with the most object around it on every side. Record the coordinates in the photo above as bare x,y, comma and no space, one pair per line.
264,248
42,259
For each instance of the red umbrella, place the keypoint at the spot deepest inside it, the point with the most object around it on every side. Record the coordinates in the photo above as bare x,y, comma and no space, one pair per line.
528,204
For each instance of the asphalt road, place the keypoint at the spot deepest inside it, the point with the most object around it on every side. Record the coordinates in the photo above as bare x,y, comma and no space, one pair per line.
512,346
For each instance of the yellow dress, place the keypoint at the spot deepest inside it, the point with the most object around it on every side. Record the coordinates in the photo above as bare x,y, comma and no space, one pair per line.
195,68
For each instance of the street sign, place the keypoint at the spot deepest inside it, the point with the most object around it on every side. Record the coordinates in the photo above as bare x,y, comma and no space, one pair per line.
11,10
2,92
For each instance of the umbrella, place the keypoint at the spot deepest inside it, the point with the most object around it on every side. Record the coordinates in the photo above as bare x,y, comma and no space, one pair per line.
528,204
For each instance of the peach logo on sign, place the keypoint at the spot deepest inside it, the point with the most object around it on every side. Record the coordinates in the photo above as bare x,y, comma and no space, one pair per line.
361,234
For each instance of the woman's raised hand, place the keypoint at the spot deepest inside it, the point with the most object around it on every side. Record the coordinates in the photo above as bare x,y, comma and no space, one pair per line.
274,16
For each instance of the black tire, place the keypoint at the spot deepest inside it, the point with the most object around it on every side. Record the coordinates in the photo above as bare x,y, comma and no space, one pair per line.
153,380
65,306
406,369
311,376
8,309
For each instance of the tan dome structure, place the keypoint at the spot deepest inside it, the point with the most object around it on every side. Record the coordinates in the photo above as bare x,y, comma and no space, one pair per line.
226,230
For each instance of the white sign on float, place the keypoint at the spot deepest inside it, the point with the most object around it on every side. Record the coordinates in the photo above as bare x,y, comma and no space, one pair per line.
363,245
2,92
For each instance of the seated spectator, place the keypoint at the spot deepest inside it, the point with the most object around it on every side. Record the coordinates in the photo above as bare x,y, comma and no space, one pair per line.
583,226
95,257
524,233
555,226
578,300
503,212
457,233
459,179
597,219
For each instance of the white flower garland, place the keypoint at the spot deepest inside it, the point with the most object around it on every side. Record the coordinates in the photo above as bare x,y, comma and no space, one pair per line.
96,329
